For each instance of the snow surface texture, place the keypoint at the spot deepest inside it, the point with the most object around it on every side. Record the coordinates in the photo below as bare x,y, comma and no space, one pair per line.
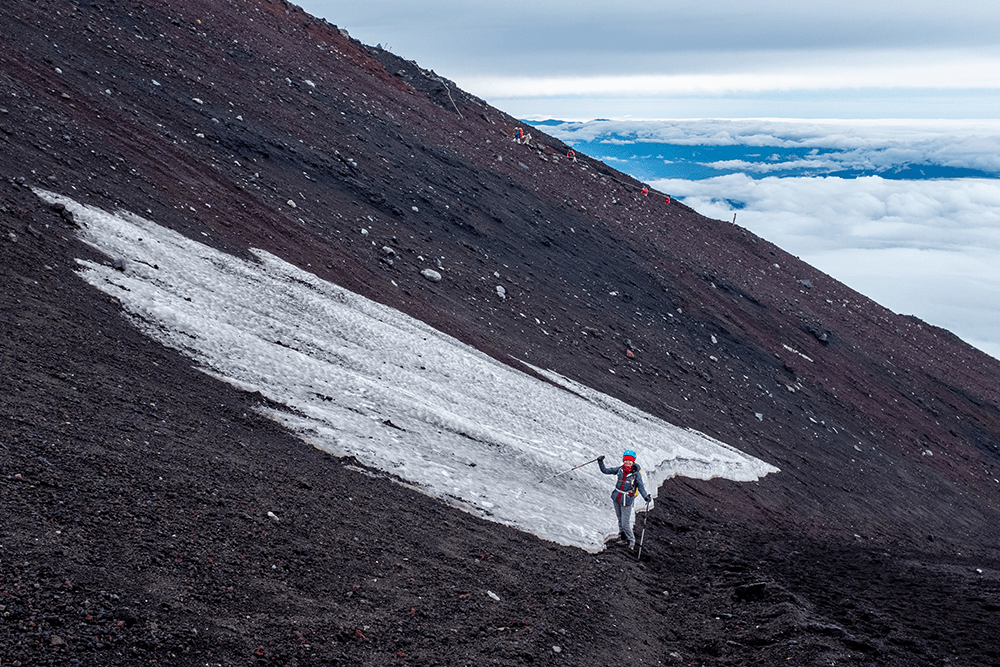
363,379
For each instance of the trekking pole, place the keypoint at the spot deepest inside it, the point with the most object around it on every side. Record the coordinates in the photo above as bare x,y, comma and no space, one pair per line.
566,471
642,535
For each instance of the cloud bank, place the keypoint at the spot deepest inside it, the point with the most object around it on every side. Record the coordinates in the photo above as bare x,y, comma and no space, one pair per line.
842,144
916,243
924,248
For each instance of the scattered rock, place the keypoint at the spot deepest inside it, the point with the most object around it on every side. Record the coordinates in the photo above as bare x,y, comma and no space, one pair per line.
431,275
749,592
826,629
219,460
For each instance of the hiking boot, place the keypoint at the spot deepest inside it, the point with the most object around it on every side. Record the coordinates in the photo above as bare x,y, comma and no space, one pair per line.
621,537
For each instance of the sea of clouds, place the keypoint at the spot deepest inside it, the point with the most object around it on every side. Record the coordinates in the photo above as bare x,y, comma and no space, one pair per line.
906,212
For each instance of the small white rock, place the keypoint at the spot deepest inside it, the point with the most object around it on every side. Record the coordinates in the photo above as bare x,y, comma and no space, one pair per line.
493,595
431,275
273,516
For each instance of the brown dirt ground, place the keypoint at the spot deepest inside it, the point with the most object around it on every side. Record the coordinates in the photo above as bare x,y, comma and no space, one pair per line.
134,489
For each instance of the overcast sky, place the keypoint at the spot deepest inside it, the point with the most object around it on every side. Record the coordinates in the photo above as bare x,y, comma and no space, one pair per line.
579,60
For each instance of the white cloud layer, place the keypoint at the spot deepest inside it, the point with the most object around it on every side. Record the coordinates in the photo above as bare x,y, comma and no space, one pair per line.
925,248
869,144
909,70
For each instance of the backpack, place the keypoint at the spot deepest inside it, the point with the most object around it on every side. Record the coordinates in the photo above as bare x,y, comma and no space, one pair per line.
629,485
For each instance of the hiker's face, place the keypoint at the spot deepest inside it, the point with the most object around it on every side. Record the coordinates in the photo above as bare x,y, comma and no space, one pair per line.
627,465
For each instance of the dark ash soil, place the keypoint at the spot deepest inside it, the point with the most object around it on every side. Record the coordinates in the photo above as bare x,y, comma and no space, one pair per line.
135,490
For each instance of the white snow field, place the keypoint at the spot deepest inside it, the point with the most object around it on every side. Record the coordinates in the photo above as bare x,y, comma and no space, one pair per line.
363,379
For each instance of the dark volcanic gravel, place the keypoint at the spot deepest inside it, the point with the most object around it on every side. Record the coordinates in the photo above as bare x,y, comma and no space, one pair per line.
135,489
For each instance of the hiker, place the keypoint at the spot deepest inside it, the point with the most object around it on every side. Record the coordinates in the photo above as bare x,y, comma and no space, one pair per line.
518,134
645,190
629,483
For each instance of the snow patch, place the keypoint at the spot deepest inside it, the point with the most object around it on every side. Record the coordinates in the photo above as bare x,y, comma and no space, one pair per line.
361,379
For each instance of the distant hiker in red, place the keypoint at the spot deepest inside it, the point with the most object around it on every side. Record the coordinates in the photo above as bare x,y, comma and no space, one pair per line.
667,200
645,190
518,134
571,154
629,484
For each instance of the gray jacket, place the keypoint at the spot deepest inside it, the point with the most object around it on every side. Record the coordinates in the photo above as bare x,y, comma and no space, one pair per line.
626,484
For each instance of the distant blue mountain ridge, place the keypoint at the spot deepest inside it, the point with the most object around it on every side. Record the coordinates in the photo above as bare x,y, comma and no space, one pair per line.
651,160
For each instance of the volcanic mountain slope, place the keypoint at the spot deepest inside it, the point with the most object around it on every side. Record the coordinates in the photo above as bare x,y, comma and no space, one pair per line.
135,489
